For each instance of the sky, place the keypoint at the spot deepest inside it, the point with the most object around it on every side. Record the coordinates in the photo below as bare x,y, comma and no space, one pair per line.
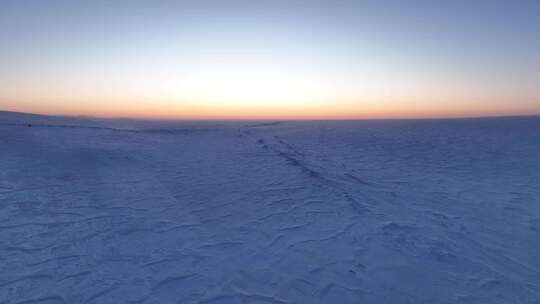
270,59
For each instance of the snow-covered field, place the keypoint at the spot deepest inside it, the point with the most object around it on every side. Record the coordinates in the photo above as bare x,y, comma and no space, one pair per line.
119,211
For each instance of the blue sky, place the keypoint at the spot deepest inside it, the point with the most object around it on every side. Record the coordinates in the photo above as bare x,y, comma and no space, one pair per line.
284,58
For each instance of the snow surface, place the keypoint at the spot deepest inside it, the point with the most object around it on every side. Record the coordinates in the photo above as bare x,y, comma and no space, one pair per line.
412,211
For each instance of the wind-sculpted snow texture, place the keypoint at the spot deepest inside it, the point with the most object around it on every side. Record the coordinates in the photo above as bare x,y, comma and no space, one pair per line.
102,211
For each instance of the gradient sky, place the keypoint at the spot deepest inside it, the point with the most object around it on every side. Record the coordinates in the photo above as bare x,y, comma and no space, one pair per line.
270,59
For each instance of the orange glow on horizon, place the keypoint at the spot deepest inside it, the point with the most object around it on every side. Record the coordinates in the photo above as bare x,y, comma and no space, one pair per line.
286,111
234,87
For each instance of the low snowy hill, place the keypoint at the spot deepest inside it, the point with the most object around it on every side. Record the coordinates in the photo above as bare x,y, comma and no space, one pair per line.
7,117
411,211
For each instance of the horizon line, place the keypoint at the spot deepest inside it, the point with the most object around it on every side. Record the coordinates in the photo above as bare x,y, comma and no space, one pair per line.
179,119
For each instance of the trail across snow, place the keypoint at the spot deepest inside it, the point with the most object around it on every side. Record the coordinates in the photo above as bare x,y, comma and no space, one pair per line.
119,211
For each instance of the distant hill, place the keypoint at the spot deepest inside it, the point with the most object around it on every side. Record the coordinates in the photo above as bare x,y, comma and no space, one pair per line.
8,117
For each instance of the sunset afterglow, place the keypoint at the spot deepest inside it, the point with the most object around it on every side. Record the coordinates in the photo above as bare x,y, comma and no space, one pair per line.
279,59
